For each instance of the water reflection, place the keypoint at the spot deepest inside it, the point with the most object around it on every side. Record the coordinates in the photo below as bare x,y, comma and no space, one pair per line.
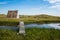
52,25
9,27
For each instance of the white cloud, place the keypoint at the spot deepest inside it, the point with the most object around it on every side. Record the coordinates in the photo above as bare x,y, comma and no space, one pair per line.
55,6
52,1
3,2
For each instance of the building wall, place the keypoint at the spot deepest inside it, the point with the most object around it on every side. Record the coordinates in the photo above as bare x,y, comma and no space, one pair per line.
12,14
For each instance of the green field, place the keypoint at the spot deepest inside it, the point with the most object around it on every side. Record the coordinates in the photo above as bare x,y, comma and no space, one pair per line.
28,19
31,34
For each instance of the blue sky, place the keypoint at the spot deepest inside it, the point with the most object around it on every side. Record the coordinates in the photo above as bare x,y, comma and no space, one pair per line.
31,7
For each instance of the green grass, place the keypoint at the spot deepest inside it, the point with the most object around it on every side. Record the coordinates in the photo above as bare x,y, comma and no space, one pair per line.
31,34
28,19
15,22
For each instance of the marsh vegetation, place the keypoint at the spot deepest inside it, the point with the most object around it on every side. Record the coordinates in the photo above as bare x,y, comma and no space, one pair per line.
31,34
29,19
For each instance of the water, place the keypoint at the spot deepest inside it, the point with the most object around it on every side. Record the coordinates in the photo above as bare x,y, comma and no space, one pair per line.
9,27
52,25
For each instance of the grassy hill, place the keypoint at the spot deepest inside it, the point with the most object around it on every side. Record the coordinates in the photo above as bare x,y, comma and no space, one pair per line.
40,17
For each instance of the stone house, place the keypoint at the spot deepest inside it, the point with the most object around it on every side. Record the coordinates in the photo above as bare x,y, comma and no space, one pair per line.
12,14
